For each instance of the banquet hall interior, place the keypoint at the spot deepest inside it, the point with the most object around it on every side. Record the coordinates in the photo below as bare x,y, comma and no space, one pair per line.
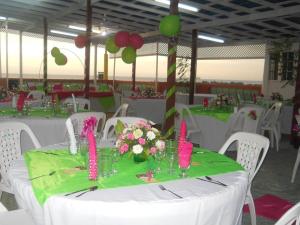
149,112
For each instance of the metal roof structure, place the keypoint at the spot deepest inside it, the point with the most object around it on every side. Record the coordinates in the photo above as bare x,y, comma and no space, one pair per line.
235,21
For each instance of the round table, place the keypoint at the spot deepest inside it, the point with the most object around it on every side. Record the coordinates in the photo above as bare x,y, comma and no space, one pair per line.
202,202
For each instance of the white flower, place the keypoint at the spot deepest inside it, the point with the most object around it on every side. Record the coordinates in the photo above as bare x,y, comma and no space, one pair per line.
137,149
126,130
155,130
137,133
160,145
151,135
118,143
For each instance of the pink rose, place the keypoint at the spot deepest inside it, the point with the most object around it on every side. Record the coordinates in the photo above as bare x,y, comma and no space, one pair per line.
122,136
142,141
124,148
153,150
130,136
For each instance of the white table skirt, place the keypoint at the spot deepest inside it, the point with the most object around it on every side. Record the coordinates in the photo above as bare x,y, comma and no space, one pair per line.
202,203
47,130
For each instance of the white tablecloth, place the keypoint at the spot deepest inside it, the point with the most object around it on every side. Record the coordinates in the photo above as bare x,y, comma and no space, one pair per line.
202,203
47,130
150,109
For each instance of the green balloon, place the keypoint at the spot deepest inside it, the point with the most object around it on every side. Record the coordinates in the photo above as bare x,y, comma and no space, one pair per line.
55,52
61,60
170,25
110,45
128,55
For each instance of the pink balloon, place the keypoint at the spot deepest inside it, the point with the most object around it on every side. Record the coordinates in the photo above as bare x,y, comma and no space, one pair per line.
122,39
136,41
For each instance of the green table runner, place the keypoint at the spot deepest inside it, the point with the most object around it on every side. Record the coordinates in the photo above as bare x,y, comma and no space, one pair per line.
36,112
68,178
220,113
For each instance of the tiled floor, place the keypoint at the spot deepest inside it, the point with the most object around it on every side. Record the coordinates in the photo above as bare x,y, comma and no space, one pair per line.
273,178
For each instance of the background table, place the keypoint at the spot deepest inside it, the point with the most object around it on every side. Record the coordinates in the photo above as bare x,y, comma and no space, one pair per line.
198,98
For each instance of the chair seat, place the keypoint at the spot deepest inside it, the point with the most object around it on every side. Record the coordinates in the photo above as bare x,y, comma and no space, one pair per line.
15,217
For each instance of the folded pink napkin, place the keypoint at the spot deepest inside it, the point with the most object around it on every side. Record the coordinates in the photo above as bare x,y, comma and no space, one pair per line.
184,156
93,167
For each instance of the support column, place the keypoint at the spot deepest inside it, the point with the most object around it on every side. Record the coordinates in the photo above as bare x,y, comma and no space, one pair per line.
156,69
294,133
21,58
88,48
95,65
171,80
6,47
114,71
193,66
105,72
0,50
133,75
45,79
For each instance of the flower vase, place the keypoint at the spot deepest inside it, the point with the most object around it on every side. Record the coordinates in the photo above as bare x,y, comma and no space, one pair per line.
138,158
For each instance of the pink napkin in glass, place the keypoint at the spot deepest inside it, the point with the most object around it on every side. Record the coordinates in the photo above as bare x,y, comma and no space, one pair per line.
93,166
184,156
182,135
205,102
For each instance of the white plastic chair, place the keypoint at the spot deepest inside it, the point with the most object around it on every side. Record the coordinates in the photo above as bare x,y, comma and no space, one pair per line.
82,103
296,165
78,121
291,217
15,217
109,128
242,121
122,110
271,123
10,148
38,95
251,152
194,132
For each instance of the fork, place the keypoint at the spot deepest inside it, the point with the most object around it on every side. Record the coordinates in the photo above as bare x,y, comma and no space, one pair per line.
90,189
211,179
165,189
50,174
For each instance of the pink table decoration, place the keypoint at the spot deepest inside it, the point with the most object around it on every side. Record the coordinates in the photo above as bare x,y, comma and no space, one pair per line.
205,102
93,167
21,102
184,158
182,135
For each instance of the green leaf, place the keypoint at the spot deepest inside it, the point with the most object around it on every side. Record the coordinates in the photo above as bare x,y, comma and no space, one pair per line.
119,127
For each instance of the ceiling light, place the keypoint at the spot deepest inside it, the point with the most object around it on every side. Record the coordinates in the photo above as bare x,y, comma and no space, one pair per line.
180,5
83,29
2,18
201,36
104,33
63,33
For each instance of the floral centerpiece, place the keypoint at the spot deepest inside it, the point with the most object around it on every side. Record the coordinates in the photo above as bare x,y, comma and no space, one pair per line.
139,139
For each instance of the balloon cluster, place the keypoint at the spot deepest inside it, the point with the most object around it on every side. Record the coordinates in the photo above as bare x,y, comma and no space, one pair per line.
131,42
170,25
60,59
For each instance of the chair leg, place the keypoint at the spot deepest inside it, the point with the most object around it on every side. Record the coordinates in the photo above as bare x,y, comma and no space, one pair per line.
277,138
296,167
271,138
251,205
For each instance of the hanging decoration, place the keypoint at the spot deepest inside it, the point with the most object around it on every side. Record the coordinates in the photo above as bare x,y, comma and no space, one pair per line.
111,46
80,41
128,55
131,42
60,58
170,25
122,39
136,41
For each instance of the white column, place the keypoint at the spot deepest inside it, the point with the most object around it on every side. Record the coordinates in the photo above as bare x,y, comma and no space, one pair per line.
0,51
6,47
95,65
21,58
156,69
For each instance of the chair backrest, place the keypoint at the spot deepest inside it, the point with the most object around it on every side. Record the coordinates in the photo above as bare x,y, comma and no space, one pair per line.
271,116
291,217
243,122
251,150
10,144
38,95
83,103
77,120
111,123
185,112
122,110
